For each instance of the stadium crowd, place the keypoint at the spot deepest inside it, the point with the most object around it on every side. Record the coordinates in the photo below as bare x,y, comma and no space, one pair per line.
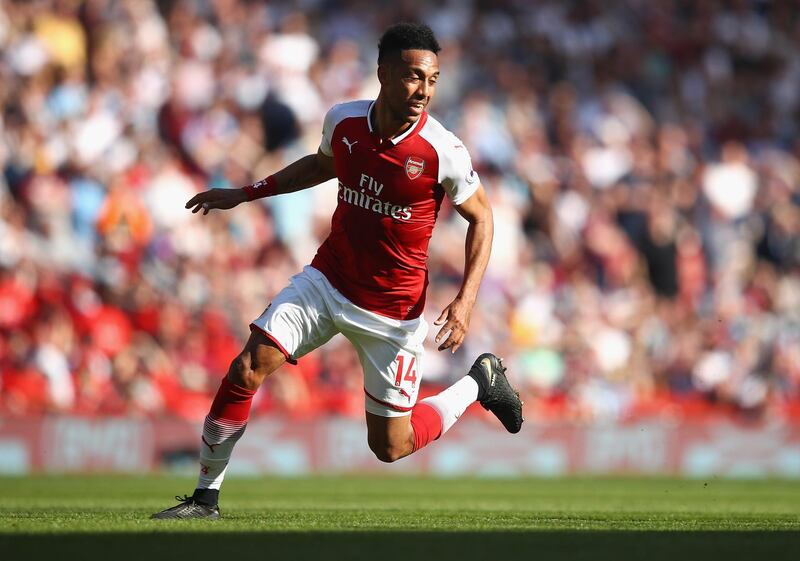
642,159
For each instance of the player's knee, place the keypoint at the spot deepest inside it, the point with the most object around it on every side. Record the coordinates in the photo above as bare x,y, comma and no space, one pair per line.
241,373
388,453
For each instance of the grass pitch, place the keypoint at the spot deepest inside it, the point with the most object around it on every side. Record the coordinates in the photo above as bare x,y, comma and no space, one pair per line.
413,519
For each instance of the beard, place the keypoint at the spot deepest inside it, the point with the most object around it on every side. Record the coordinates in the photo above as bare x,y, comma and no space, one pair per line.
403,113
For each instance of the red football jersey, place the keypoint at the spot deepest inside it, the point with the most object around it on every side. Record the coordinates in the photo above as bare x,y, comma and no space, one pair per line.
389,196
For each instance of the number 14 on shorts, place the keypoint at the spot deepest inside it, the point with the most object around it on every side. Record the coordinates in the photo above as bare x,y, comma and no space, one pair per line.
406,370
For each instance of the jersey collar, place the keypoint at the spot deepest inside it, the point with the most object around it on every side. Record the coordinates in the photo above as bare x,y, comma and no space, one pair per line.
397,139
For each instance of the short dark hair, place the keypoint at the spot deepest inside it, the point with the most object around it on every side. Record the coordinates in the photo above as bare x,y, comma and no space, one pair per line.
405,36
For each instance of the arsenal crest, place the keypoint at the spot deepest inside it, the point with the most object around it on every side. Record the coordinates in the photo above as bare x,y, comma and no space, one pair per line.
414,166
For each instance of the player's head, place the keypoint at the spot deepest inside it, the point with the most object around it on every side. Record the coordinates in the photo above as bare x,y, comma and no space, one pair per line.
408,68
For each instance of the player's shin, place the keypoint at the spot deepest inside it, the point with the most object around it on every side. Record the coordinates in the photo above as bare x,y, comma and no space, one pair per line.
433,416
224,425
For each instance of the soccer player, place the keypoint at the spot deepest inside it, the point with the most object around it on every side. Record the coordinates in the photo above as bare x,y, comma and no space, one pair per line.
395,164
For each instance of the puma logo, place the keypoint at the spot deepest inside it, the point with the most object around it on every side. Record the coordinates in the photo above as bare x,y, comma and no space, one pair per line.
349,144
405,393
210,446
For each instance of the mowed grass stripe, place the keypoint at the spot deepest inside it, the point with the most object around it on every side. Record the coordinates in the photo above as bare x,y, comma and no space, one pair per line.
404,517
529,495
44,522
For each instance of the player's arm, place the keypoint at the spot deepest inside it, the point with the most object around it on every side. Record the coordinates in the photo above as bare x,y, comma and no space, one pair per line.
455,317
304,173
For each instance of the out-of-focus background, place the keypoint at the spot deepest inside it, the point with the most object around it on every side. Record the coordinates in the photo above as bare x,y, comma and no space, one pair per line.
642,159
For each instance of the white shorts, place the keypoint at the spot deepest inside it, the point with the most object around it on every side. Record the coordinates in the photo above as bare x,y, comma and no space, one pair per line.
308,312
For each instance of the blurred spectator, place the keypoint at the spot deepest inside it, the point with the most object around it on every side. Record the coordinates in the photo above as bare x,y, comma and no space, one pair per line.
641,158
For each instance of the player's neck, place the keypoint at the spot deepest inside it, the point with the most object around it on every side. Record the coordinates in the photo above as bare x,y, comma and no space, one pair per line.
386,126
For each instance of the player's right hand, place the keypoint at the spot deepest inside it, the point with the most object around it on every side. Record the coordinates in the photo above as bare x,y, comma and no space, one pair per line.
222,199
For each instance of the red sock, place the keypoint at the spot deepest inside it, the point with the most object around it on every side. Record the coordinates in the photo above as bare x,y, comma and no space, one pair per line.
426,423
232,402
223,427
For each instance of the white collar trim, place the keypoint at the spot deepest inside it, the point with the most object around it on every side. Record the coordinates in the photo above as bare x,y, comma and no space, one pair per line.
397,139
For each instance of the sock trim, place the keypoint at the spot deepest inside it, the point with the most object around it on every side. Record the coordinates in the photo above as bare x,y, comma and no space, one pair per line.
220,430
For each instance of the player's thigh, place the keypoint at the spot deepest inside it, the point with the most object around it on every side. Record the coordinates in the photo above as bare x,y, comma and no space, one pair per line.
298,319
392,373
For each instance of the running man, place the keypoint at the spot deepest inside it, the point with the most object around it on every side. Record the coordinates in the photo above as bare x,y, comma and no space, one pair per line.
394,164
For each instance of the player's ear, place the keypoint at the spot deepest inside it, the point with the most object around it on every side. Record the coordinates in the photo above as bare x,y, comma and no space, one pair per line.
383,73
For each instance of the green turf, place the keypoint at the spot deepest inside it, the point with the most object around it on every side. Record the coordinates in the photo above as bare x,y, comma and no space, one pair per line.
380,518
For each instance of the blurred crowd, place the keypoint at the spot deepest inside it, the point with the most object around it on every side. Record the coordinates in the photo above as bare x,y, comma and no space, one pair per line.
642,159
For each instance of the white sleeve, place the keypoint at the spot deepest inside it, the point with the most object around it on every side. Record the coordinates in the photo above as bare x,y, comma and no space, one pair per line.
456,175
327,132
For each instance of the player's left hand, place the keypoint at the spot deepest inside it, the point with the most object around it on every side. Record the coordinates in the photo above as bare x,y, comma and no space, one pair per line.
455,320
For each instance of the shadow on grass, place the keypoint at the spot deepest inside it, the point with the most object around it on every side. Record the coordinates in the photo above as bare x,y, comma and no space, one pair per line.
408,546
